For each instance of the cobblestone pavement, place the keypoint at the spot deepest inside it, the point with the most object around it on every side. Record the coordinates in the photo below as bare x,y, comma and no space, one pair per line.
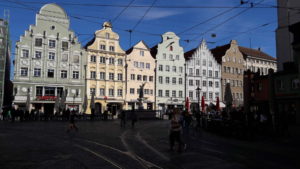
98,144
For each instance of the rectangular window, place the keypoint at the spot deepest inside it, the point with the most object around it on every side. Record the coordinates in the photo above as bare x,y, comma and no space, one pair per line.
210,73
132,76
217,94
120,62
92,91
75,75
197,72
171,57
147,65
120,92
180,94
93,58
160,93
204,72
111,48
63,74
51,43
217,84
120,76
173,93
145,78
37,72
65,45
160,79
102,75
174,80
167,68
102,92
93,74
216,74
197,82
102,47
39,91
191,82
49,91
136,64
150,78
210,63
197,62
167,94
111,92
111,76
210,95
210,83
160,67
167,80
191,94
50,73
142,65
204,83
174,68
204,95
51,56
180,81
102,59
151,92
190,71
38,42
75,59
38,54
180,69
139,77
141,53
131,90
25,53
111,61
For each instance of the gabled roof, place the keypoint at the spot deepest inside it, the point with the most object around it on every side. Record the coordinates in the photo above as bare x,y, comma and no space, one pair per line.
128,51
219,52
255,53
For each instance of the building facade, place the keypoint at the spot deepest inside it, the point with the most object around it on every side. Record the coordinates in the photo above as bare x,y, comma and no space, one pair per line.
49,60
287,15
258,61
5,83
202,71
140,71
233,66
106,71
170,73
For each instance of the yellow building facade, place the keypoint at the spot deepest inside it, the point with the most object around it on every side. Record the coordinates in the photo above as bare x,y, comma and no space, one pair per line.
140,71
105,71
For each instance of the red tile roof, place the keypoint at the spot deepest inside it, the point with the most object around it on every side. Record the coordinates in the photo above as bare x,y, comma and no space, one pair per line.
255,53
219,52
188,54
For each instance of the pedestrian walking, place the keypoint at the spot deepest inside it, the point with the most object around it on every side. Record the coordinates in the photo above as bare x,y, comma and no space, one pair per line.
72,122
175,131
123,118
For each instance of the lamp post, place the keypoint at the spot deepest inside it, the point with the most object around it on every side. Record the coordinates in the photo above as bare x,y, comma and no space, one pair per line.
198,89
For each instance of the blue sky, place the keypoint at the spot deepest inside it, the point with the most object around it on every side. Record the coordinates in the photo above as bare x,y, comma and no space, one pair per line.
92,13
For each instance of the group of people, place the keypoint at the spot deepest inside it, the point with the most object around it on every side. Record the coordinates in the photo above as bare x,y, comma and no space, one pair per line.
125,115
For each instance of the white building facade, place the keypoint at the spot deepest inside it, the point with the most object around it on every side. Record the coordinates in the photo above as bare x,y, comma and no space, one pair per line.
170,73
202,71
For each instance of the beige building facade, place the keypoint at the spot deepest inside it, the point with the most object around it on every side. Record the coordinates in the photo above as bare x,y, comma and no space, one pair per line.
105,71
140,71
233,66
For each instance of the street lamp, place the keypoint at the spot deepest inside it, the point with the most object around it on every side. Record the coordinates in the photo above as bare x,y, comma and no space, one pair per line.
198,89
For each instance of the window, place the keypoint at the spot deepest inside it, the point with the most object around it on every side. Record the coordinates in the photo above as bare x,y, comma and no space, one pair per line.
180,94
160,93
131,90
136,64
132,76
204,72
197,72
102,47
93,74
65,45
120,76
146,91
75,59
147,65
197,82
167,94
180,81
51,43
111,76
167,68
173,93
50,73
92,91
160,67
102,59
111,92
37,72
204,95
171,57
75,75
174,80
216,74
64,58
145,78
49,91
190,71
191,93
39,91
204,62
191,82
197,62
102,75
102,92
38,42
295,84
174,68
210,83
150,78
111,48
225,69
141,53
63,74
142,65
38,54
160,79
167,80
51,56
217,94
120,92
204,83
139,77
25,53
107,35
171,48
210,63
210,95
111,61
180,69
177,57
210,73
151,92
164,56
217,84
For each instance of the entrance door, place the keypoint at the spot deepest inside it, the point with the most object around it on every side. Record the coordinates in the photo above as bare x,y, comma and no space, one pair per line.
98,108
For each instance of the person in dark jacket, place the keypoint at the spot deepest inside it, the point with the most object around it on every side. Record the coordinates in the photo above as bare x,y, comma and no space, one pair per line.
72,122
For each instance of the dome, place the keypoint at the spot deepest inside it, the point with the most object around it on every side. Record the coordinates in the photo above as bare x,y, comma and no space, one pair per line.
53,10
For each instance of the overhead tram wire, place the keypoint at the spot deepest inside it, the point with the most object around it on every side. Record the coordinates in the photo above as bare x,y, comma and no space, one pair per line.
123,10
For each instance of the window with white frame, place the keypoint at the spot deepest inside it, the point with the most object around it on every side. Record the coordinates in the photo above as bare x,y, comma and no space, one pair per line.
150,78
120,61
145,78
37,72
111,76
111,92
38,54
180,94
197,82
63,74
167,68
75,74
92,91
174,68
51,56
24,71
136,64
102,91
25,53
142,65
93,74
204,83
167,80
132,76
204,95
179,80
160,93
171,57
120,92
190,71
204,72
210,83
102,75
111,48
102,59
191,82
217,84
197,72
210,95
167,93
160,67
180,69
147,65
102,47
131,90
141,53
111,61
160,79
107,35
50,73
174,80
52,43
216,73
191,93
38,42
173,93
139,77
